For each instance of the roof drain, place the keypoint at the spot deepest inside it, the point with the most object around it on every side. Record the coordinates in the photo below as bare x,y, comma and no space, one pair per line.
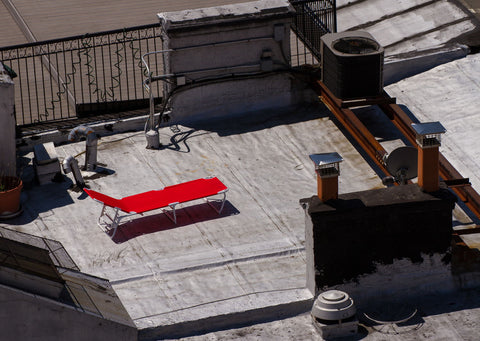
91,144
334,315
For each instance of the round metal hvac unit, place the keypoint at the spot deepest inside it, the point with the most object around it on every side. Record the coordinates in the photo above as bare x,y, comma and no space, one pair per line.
333,305
333,315
352,64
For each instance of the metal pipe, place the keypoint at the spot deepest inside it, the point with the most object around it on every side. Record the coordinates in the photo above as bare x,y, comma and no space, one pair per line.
152,136
91,144
70,164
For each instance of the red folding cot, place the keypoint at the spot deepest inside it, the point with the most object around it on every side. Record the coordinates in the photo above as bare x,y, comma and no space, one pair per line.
169,196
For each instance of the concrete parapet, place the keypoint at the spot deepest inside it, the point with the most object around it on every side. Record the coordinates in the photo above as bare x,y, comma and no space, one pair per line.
26,316
7,124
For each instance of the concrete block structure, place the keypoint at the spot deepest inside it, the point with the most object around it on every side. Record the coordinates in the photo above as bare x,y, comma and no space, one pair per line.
228,60
46,163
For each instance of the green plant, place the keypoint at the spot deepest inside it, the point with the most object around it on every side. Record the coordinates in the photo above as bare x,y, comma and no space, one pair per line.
8,182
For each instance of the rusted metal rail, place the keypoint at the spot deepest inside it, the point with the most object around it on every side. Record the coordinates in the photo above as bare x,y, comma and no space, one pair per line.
354,126
460,186
456,182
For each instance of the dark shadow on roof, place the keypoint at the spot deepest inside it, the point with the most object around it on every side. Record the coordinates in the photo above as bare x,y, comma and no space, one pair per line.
40,199
160,222
379,124
401,308
178,141
260,120
409,113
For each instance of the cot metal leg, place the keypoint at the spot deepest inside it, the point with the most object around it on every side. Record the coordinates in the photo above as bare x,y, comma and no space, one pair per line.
169,215
111,223
218,210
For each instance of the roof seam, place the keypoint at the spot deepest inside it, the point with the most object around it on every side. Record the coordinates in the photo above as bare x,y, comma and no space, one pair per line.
389,16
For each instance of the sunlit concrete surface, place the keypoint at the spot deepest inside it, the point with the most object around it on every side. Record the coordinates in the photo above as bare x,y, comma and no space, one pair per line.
249,257
407,26
446,317
449,94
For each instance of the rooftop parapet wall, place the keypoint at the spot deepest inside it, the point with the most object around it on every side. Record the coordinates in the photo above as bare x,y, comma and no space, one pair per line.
229,59
27,316
349,238
228,14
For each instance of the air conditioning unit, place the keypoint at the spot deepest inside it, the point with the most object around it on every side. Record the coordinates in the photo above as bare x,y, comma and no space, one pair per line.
352,64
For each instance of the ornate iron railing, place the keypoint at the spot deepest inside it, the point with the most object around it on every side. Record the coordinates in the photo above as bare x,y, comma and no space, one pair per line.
102,73
312,20
81,76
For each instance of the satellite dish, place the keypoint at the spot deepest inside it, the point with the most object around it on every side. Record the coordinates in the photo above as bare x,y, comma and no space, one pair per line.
402,163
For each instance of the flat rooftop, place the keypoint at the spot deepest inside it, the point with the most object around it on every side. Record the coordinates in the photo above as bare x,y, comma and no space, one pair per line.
250,259
440,317
251,256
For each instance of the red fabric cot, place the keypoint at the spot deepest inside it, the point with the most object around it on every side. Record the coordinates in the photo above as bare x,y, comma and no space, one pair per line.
152,200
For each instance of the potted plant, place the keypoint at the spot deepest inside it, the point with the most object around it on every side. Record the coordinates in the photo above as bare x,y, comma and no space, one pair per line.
10,189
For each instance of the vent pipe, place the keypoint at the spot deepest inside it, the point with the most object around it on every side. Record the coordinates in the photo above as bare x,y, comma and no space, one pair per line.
327,167
428,136
70,164
91,144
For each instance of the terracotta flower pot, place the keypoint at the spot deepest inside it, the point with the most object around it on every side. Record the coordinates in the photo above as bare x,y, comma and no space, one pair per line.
11,187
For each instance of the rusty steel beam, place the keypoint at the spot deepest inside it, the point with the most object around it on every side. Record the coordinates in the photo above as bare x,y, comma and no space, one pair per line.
466,192
353,125
402,121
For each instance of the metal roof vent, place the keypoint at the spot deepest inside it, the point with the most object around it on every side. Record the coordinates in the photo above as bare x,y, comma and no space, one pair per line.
352,64
333,314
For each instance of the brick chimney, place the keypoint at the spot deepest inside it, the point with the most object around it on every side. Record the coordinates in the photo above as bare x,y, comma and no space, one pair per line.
428,136
327,167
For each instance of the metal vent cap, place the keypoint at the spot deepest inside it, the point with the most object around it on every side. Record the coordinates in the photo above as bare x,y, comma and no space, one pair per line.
333,305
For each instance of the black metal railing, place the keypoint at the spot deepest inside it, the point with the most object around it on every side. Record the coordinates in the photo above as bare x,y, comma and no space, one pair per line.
312,20
23,252
102,73
81,76
57,253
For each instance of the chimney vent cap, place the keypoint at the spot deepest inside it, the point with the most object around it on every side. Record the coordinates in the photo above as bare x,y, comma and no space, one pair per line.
324,159
428,128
